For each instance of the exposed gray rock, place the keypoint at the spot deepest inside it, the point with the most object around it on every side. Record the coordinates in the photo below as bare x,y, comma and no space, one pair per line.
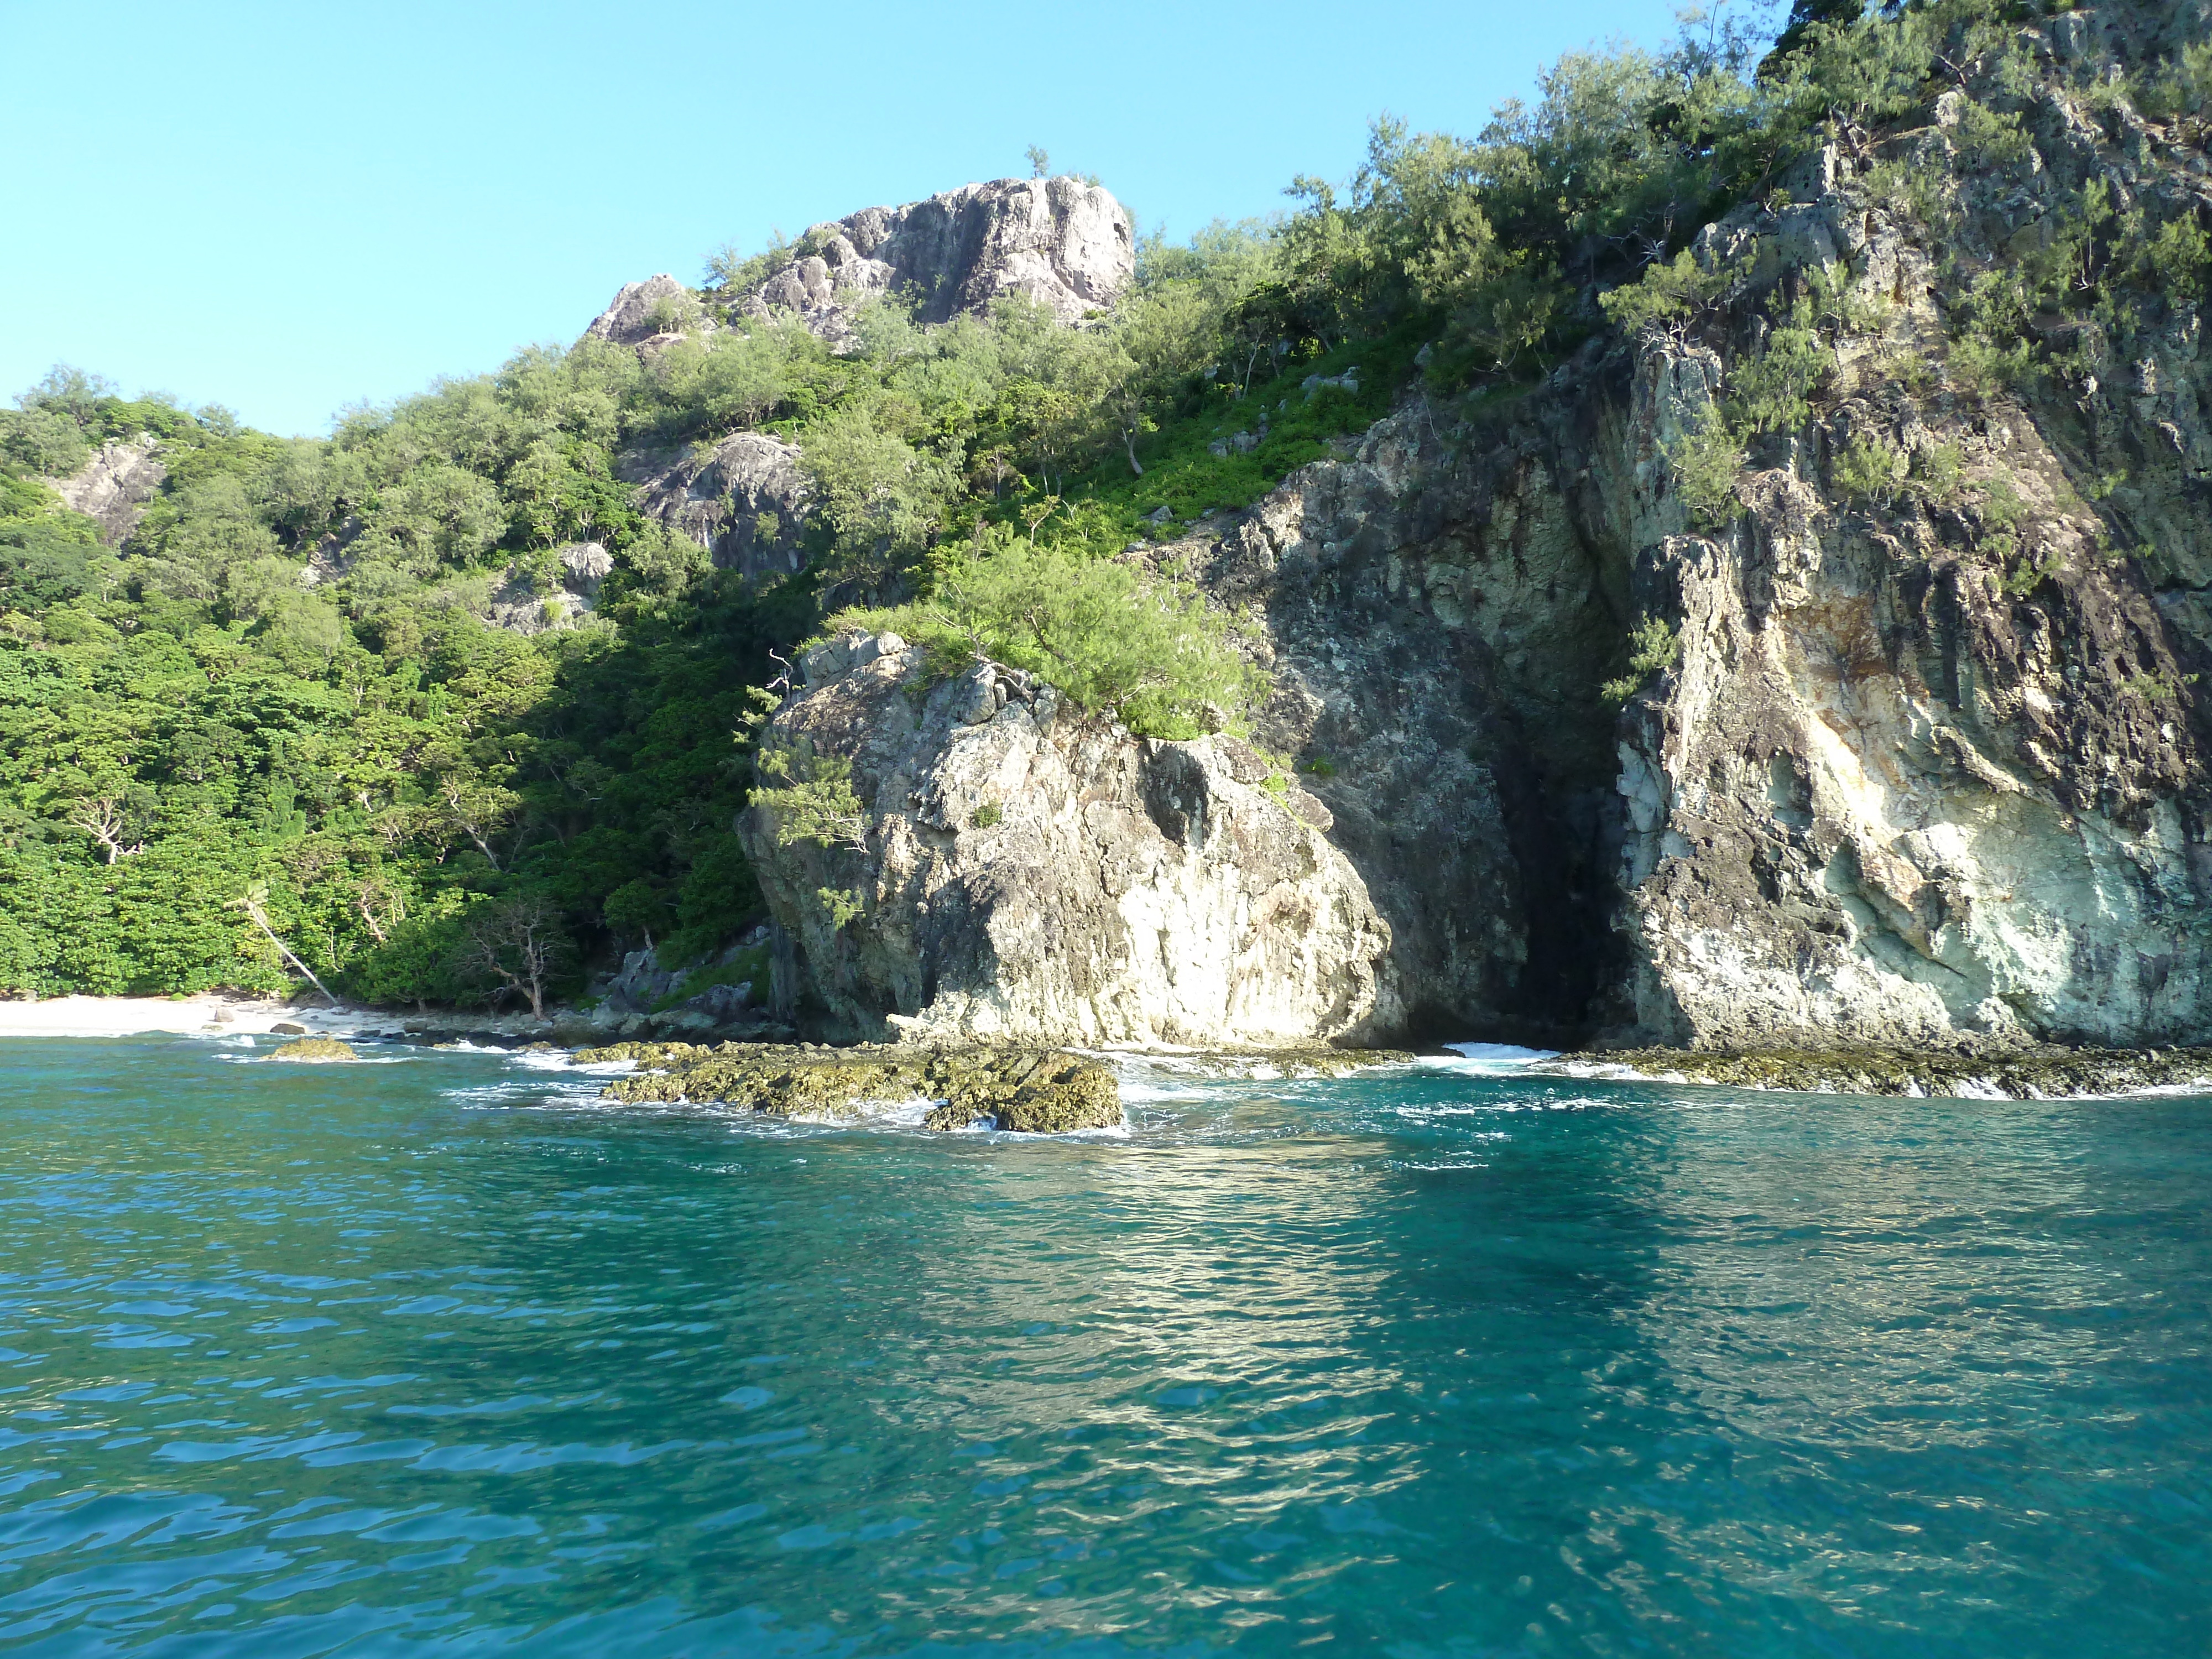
114,486
745,501
1026,876
527,603
1063,243
657,308
629,999
328,562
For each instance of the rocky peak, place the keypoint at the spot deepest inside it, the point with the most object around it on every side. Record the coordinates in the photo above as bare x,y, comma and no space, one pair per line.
1065,244
644,311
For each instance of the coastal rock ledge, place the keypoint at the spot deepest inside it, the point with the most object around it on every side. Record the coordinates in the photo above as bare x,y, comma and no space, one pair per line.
2048,1073
1002,869
1029,1090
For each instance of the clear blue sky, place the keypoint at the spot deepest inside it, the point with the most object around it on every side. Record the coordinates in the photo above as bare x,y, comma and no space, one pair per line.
288,209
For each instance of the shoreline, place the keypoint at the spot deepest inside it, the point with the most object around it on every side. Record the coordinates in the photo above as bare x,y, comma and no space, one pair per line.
2050,1073
215,1014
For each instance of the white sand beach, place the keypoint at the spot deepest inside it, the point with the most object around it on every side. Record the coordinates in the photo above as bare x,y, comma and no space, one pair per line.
138,1016
214,1014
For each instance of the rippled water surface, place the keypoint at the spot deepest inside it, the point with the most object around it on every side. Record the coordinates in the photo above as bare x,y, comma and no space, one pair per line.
437,1356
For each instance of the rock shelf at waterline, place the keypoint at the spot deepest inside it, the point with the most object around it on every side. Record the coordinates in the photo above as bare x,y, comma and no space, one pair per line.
2038,1074
1031,1091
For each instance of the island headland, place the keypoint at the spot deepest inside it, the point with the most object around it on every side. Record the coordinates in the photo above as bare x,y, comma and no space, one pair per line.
1750,601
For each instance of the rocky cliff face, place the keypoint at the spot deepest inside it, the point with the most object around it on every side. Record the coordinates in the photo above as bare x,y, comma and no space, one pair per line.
1011,872
1923,762
745,502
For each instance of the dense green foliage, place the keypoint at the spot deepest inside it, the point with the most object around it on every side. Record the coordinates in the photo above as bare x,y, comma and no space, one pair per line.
290,681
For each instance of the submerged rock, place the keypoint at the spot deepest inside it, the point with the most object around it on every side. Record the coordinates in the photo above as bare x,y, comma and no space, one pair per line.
1031,1091
1305,1061
314,1050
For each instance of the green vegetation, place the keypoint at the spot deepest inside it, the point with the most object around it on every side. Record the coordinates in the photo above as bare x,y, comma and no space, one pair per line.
1147,651
280,732
1653,644
1870,468
1705,459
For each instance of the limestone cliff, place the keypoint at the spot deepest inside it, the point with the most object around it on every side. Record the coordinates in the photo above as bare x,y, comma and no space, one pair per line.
1915,753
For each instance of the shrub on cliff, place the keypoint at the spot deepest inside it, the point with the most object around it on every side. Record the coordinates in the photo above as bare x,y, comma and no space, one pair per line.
1107,637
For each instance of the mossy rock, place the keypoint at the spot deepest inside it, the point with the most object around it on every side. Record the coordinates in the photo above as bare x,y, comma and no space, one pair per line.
315,1050
1031,1091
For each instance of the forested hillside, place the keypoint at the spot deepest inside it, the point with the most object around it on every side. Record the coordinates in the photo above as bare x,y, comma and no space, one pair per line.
346,699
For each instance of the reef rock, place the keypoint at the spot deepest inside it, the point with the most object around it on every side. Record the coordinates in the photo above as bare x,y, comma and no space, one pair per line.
1028,1090
1002,869
314,1050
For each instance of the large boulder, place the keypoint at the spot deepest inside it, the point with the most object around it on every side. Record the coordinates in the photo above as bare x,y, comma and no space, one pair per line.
1012,872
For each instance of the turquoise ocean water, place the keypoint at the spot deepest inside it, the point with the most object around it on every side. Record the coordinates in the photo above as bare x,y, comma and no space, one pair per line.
437,1357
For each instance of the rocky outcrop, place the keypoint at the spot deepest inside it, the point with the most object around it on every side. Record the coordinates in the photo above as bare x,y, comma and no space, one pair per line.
532,598
1914,754
644,995
1914,1073
745,501
985,865
641,312
1026,1091
115,484
1926,765
1062,242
